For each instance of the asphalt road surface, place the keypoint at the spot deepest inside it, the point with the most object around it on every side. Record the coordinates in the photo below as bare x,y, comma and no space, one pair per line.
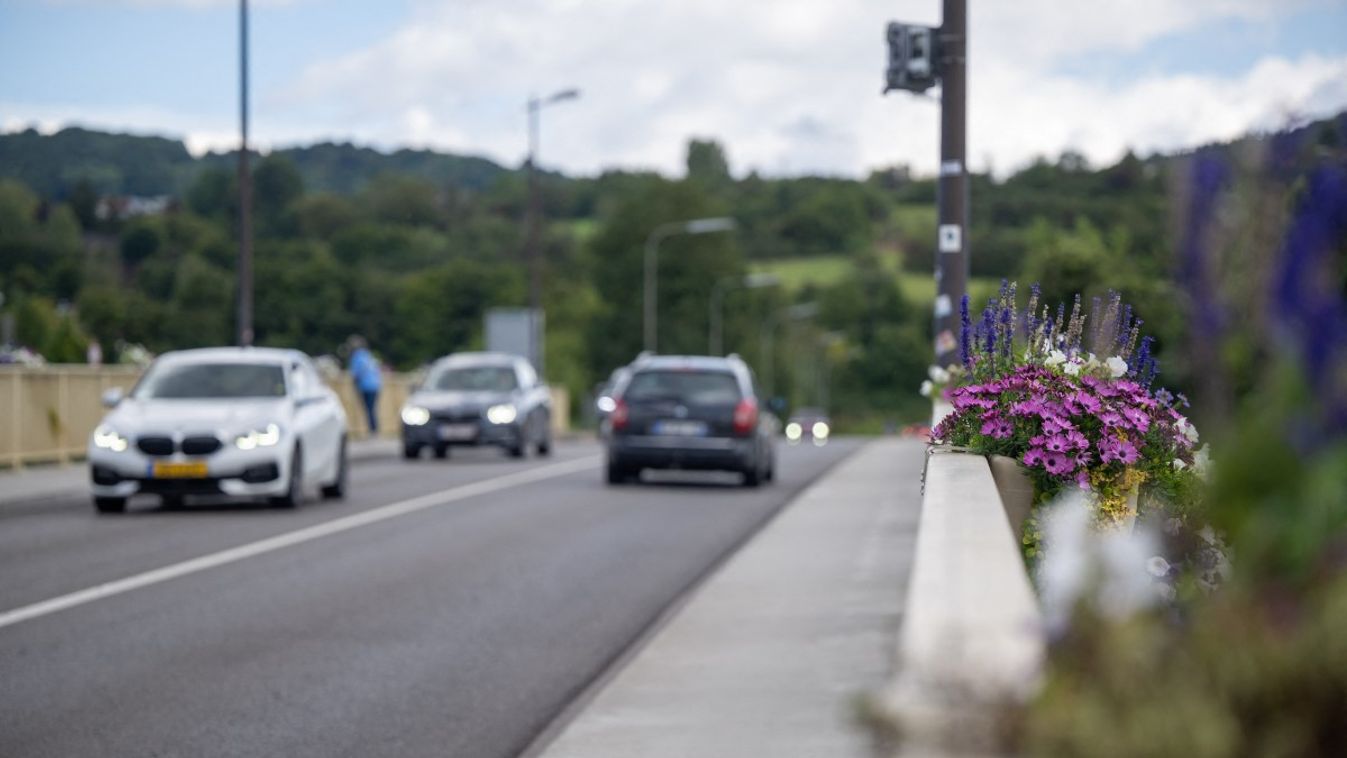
445,608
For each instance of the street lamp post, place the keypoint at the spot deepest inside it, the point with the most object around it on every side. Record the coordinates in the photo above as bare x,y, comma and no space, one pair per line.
796,312
532,252
245,266
716,318
695,226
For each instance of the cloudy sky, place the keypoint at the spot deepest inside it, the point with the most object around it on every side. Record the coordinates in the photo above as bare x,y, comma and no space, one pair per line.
788,86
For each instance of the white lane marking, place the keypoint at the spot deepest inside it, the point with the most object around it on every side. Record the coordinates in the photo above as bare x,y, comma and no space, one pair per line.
252,549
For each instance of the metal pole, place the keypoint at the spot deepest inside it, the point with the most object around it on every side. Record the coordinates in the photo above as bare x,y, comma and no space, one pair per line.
715,340
651,311
245,283
531,243
952,244
769,359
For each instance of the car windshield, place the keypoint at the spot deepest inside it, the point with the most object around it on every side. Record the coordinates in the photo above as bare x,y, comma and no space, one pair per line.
686,387
474,379
177,381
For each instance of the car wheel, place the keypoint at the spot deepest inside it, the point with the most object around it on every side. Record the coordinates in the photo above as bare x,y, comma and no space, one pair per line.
517,451
110,504
752,477
618,474
545,445
441,451
337,489
293,496
411,452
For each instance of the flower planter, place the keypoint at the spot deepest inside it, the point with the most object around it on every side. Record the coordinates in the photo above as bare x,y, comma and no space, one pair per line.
1016,490
1017,494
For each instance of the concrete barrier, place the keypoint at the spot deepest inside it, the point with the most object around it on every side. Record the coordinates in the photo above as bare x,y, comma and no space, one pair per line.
48,413
972,638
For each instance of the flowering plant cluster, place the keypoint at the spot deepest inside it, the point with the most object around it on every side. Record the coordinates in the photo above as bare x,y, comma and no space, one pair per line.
1036,393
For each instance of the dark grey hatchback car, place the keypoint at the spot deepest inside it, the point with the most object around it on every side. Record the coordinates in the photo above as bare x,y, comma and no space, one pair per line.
478,399
690,412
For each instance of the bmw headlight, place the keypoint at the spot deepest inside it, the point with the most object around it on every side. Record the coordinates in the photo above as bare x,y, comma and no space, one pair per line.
821,430
501,414
265,437
415,415
107,438
793,431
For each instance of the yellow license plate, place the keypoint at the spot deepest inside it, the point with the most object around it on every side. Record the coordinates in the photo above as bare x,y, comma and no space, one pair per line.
190,470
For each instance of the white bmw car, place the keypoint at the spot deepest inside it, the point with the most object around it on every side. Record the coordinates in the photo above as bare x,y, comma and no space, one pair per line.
242,422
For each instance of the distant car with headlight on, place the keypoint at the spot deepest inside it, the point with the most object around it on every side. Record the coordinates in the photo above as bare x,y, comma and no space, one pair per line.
478,399
240,422
808,423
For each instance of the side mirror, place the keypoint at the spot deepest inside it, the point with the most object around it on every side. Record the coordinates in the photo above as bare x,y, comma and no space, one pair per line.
112,397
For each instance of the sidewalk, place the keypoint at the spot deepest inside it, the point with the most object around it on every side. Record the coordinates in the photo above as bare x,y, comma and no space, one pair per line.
770,655
42,482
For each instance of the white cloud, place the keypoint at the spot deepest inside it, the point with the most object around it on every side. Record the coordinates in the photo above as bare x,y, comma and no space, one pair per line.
788,86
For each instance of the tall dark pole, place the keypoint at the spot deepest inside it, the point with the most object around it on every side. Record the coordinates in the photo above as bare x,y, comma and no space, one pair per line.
245,284
531,241
951,267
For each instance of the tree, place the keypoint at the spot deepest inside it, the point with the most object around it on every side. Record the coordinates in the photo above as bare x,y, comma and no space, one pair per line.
276,186
706,163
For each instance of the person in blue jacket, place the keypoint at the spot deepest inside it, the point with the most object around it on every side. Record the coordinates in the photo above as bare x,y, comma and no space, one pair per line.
365,373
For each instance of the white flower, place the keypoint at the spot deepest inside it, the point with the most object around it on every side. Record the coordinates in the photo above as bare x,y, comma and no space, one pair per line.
1201,460
1072,368
1157,565
1167,593
1187,429
1179,465
1054,358
1116,366
938,375
1091,362
927,388
1107,569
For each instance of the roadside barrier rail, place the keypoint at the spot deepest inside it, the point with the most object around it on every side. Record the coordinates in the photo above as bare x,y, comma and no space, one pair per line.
972,640
47,413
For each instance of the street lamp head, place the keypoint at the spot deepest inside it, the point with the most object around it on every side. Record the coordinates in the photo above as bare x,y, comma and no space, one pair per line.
709,225
566,94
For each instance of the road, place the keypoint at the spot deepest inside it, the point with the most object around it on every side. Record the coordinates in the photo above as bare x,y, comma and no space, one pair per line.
446,608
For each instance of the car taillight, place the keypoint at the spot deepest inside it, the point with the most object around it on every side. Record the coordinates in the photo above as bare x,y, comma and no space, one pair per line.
745,416
619,415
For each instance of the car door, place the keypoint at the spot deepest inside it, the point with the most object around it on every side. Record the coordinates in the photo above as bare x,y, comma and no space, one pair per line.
330,417
308,420
533,398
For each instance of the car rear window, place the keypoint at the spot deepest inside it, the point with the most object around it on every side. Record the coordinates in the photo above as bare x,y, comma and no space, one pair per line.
687,387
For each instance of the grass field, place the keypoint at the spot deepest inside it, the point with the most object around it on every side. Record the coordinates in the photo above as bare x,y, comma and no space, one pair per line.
795,273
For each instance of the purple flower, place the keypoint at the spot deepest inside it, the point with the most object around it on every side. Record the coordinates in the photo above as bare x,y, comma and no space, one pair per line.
1137,418
1087,402
1083,478
1111,419
1115,449
1056,425
965,334
1033,457
1057,463
997,427
1031,407
1078,440
1058,444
